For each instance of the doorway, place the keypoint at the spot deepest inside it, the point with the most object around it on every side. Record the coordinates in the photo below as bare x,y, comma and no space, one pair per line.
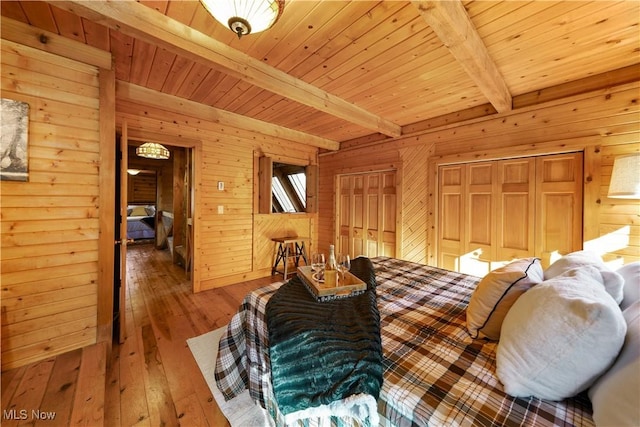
170,203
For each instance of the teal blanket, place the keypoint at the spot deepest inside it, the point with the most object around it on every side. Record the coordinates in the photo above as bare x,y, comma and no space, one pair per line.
322,352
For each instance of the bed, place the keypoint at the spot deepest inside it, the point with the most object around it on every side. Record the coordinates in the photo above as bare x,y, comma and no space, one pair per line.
434,373
141,222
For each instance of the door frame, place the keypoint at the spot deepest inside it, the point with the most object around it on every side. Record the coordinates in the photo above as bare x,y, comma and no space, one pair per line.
135,134
196,146
122,241
397,169
106,194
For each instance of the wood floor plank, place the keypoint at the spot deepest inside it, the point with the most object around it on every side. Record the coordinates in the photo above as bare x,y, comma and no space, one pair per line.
62,386
10,381
201,320
136,281
190,412
133,400
112,392
176,354
29,393
151,378
210,408
181,370
88,404
162,411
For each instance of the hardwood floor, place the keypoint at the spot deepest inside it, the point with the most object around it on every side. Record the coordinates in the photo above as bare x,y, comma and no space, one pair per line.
151,379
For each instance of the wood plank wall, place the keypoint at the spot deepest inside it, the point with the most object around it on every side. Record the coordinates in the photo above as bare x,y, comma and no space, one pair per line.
232,244
142,188
280,225
50,224
616,222
602,123
414,201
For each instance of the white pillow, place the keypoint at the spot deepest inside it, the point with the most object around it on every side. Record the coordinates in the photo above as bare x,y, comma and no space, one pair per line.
496,293
613,282
559,336
631,275
615,396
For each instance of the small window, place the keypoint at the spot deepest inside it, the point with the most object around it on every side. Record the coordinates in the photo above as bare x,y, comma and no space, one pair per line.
289,188
282,202
285,188
299,182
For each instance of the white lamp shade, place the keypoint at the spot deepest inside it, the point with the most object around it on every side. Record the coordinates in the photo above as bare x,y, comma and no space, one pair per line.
625,178
245,16
152,150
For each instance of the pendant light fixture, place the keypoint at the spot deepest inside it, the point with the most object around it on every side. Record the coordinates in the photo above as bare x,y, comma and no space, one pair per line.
152,150
245,16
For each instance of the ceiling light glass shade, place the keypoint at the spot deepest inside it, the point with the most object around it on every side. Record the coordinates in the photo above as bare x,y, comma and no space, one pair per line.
625,178
133,171
152,150
245,16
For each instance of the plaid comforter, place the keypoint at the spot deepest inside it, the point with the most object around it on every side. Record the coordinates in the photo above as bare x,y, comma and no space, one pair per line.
435,374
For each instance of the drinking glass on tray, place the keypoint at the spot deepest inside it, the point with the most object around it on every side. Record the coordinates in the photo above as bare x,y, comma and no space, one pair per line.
317,266
344,265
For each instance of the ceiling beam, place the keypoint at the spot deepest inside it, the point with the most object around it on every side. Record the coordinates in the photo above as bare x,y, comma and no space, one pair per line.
144,23
451,23
129,92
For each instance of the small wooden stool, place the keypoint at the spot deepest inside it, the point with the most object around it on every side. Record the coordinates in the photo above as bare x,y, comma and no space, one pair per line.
287,248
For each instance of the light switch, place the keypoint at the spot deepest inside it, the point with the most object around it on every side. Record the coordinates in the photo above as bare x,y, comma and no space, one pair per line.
220,209
220,185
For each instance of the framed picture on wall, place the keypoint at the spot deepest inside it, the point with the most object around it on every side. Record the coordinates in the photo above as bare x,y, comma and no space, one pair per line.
13,141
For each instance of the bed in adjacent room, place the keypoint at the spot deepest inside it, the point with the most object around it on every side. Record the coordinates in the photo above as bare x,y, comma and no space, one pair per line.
435,373
141,222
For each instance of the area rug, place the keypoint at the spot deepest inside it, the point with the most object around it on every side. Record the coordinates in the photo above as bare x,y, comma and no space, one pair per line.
240,411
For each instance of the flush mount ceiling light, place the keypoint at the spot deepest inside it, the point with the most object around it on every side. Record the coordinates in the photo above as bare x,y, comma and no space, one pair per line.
133,171
152,150
245,16
625,178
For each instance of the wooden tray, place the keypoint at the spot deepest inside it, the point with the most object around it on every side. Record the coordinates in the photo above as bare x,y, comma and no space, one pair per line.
351,286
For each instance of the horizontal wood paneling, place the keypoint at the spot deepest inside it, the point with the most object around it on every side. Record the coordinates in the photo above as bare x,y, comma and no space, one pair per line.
142,188
602,123
231,244
610,112
50,224
615,222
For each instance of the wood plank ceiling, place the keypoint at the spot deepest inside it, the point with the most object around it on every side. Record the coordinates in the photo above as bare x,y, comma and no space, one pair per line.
339,70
